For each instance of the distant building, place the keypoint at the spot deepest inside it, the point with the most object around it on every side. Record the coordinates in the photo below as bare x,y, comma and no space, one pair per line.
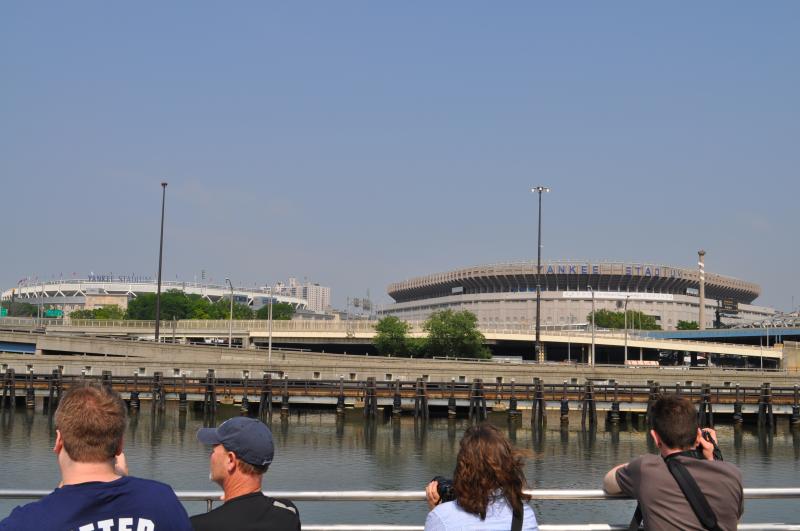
108,290
318,297
504,295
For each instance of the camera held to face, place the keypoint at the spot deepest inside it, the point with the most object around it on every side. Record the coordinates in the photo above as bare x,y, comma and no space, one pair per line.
445,489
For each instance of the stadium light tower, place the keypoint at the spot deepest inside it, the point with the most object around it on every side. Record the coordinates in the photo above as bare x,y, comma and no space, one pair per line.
160,253
538,344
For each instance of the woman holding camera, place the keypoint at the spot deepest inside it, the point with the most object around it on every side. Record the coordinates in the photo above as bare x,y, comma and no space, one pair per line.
487,486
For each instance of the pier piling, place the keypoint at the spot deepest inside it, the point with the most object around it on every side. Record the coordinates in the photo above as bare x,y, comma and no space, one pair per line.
370,399
513,412
588,407
285,398
738,417
794,420
340,405
705,415
397,402
421,399
451,401
765,416
564,406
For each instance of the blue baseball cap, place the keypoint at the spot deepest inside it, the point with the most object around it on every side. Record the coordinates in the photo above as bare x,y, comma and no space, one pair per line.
249,439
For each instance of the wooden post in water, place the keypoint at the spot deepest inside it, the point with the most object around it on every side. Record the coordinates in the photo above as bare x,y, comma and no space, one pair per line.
794,420
265,399
613,414
451,401
705,415
738,418
105,379
11,379
182,401
245,400
513,412
421,399
564,406
285,397
371,399
397,402
340,404
30,396
588,407
765,416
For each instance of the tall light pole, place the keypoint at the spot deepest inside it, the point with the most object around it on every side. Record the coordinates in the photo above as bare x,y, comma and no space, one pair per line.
591,361
160,254
230,319
538,345
627,298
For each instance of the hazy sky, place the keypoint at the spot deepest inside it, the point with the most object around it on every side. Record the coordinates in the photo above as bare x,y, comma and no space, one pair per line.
362,143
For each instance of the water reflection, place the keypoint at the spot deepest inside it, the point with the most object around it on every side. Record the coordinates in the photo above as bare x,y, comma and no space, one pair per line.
319,450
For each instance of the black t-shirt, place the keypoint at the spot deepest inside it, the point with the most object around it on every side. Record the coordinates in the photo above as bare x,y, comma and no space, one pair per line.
250,512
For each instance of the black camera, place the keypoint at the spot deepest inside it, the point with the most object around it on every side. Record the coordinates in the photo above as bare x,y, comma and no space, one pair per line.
445,489
697,452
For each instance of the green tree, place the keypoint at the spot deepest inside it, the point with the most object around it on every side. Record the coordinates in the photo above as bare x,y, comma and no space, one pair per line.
281,311
688,325
616,320
392,336
455,334
105,312
174,304
22,309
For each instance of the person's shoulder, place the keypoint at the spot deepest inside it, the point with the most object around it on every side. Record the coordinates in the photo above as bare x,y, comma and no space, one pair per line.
22,516
282,504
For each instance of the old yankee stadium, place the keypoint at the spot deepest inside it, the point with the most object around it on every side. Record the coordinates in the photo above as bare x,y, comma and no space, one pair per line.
504,295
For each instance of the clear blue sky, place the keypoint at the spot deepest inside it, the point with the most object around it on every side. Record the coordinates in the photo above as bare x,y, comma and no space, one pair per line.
361,143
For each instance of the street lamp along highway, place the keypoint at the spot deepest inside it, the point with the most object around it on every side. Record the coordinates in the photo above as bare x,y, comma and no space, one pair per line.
160,253
540,356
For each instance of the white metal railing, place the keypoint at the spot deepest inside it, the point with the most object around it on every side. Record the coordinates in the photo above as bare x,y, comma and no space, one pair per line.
419,496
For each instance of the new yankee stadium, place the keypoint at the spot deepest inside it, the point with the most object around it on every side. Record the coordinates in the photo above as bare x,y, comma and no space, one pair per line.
504,295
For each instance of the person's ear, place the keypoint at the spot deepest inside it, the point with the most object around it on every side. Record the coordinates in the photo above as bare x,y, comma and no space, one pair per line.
656,438
120,447
59,445
230,462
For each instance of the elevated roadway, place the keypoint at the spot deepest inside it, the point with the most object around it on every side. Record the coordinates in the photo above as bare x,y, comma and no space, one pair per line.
252,333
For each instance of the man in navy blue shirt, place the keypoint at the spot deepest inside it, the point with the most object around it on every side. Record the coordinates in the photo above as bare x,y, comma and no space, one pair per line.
95,493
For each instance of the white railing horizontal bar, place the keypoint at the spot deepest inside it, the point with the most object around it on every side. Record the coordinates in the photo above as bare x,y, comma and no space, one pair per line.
542,527
537,494
415,495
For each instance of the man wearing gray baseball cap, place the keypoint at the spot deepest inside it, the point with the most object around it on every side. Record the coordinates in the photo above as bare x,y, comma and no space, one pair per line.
242,450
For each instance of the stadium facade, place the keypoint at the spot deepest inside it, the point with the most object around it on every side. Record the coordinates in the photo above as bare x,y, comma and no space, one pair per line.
110,290
504,295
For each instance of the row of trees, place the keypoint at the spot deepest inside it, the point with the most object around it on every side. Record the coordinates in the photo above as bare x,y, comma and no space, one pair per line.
453,334
616,320
176,304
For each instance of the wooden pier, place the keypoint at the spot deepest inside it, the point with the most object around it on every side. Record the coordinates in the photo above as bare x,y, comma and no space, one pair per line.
475,399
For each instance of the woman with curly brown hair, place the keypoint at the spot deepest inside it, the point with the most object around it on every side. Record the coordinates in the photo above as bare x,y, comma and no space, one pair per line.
488,483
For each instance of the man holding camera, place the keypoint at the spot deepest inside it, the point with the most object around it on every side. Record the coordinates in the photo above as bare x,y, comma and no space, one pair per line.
687,486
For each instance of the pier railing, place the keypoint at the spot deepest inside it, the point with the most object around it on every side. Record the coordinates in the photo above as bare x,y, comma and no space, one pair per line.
209,497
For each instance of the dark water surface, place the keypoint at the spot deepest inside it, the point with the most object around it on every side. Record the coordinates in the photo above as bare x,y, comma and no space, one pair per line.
317,451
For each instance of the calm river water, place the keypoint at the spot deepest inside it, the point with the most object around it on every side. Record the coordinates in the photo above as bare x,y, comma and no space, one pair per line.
315,451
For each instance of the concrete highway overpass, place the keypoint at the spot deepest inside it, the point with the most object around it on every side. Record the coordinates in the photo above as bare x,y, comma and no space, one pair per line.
357,336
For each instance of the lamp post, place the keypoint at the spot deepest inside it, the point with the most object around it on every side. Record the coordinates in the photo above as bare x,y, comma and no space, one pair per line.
538,345
591,361
627,298
230,319
160,254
